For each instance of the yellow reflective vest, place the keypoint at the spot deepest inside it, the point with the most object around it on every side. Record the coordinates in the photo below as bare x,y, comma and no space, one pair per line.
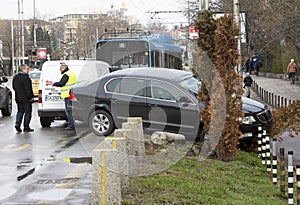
64,90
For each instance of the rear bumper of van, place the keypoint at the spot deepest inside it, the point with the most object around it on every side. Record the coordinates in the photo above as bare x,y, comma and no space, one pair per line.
56,114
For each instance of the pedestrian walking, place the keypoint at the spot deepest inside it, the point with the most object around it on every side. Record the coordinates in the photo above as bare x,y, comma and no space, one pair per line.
248,66
67,80
24,97
247,84
292,70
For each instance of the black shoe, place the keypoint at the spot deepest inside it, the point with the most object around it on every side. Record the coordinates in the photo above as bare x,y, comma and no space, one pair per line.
18,128
28,130
69,128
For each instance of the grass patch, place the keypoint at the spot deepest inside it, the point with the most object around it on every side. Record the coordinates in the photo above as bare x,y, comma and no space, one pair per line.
242,181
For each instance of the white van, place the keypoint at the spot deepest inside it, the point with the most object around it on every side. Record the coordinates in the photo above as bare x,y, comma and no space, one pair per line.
50,105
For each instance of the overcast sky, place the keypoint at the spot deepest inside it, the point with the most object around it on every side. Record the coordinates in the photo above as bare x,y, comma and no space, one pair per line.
53,8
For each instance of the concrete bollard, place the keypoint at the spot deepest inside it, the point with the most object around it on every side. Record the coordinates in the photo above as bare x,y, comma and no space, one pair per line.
282,171
106,186
274,161
122,158
135,142
298,183
290,178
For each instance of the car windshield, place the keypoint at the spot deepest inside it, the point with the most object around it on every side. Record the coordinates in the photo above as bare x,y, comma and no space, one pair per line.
192,84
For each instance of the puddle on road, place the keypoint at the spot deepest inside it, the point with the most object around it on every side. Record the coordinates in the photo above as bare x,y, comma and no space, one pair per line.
51,195
6,191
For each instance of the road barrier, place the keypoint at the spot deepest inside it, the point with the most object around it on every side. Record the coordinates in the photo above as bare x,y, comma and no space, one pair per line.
298,183
282,171
274,161
290,178
271,98
290,171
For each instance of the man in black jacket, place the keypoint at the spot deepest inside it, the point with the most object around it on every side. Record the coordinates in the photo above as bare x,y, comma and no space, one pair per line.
24,98
247,84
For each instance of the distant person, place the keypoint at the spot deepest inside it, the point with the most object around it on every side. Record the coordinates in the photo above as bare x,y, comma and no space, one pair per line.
24,98
248,66
186,67
247,84
292,70
253,64
67,80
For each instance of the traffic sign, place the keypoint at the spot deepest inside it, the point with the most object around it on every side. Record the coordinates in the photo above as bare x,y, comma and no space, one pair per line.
193,32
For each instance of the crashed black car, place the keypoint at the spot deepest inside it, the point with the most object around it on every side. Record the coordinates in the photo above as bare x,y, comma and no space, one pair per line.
164,98
5,98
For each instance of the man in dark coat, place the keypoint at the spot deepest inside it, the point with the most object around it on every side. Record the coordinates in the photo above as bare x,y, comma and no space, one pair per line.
24,98
247,84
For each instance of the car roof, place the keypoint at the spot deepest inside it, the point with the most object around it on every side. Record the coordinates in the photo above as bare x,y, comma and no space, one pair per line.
157,73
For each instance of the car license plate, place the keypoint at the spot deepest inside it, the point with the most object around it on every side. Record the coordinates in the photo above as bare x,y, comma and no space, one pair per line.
52,98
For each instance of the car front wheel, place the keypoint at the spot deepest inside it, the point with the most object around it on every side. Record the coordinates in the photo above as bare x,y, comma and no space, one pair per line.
101,123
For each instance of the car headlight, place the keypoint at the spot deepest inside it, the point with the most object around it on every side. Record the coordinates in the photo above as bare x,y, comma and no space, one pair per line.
248,120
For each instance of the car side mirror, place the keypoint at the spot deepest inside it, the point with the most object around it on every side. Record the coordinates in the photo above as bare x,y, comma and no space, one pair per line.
183,99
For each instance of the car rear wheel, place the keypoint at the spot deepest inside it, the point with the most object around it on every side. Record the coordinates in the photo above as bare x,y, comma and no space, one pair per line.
8,108
45,121
101,123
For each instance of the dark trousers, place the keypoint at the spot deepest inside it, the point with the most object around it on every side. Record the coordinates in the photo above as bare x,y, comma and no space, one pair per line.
24,109
292,77
68,111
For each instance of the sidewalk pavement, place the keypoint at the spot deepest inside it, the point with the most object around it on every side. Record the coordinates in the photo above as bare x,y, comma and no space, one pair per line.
279,87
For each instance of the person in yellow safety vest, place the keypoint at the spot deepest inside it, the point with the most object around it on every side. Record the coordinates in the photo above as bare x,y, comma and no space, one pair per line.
66,82
186,67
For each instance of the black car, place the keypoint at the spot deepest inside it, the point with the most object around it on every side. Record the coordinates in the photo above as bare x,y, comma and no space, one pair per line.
164,98
5,98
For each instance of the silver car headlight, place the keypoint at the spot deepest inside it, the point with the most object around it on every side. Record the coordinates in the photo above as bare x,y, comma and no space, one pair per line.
248,120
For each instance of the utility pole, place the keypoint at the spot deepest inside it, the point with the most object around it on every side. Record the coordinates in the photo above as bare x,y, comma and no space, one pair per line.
236,13
12,47
203,5
22,24
18,62
34,28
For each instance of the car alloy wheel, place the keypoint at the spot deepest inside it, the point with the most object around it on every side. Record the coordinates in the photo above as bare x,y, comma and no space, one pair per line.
101,123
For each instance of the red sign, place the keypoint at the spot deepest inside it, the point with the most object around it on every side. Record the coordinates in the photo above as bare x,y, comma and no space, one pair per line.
193,32
42,53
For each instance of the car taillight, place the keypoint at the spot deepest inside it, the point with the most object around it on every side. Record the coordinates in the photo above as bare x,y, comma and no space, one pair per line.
72,96
40,99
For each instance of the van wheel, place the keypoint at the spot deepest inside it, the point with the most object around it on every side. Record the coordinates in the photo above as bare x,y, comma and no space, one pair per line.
101,123
8,108
45,121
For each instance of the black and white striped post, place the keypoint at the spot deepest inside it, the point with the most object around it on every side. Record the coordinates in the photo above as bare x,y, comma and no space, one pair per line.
263,147
259,138
298,183
290,178
282,171
268,154
274,160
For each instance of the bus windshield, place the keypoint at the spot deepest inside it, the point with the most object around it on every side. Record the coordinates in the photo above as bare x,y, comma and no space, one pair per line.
123,53
131,50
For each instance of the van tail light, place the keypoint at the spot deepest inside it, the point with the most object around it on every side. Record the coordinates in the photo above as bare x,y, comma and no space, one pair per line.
72,96
40,98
